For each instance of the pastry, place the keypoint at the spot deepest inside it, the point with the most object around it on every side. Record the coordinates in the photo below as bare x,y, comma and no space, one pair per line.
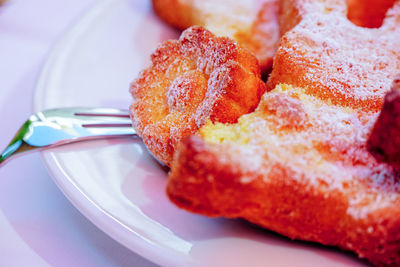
197,78
334,59
253,23
299,164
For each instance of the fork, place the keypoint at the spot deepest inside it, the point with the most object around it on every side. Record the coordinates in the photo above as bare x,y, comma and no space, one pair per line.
54,127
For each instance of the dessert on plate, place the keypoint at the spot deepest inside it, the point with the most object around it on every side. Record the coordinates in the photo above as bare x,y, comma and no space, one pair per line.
197,78
316,157
253,23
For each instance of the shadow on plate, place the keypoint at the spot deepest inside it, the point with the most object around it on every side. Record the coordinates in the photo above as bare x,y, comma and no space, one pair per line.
223,241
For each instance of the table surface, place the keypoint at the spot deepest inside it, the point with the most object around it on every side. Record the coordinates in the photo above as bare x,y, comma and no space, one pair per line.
38,226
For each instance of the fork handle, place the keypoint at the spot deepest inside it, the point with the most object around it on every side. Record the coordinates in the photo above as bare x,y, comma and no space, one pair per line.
17,144
15,148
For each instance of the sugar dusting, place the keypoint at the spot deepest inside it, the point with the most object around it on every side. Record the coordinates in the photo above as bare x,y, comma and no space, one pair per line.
253,23
328,151
338,61
345,71
188,78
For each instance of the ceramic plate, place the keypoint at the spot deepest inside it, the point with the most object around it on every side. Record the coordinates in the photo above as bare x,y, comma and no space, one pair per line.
116,183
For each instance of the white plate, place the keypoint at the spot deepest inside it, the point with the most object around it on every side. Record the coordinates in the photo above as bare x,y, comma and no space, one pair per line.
115,183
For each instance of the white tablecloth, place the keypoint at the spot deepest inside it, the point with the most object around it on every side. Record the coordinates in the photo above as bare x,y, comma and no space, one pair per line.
38,226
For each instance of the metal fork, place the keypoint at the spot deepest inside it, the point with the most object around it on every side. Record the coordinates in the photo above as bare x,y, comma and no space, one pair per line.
62,126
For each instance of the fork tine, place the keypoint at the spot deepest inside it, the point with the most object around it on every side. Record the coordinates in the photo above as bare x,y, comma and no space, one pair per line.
91,117
101,120
102,114
107,125
55,127
107,112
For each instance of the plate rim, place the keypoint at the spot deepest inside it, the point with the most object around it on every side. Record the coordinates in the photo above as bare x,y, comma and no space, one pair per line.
88,208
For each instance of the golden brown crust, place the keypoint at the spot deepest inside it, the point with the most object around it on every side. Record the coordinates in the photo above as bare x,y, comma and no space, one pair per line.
299,165
368,13
384,141
336,194
175,12
283,204
336,60
254,24
196,78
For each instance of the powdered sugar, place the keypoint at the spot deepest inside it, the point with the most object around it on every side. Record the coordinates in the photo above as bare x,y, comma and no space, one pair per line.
329,149
188,80
338,61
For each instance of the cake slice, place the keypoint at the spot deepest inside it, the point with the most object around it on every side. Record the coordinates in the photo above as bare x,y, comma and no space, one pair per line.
252,23
299,164
197,78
